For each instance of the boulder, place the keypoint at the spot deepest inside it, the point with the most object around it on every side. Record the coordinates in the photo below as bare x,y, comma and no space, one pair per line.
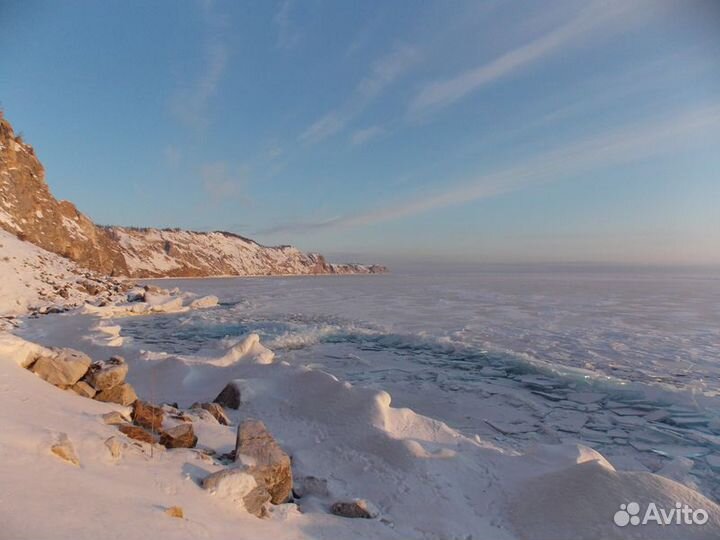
114,418
136,295
264,459
229,397
181,436
64,449
64,367
148,416
124,394
81,388
358,508
137,433
105,375
237,485
216,410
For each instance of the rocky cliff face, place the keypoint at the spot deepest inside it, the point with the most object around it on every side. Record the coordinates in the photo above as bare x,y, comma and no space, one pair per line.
29,211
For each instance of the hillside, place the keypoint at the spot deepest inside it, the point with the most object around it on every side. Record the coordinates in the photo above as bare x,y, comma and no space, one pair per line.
29,211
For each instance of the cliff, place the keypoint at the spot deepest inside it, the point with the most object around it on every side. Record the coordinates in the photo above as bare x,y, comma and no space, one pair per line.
29,211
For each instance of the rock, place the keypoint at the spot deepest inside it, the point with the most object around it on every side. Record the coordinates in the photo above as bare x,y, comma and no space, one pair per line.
175,511
230,396
310,486
64,367
264,459
181,436
64,449
216,410
124,394
256,501
137,433
115,447
114,418
136,295
81,388
237,485
105,375
148,416
358,508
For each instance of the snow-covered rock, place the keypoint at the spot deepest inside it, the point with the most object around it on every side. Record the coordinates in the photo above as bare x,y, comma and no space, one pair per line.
64,449
204,302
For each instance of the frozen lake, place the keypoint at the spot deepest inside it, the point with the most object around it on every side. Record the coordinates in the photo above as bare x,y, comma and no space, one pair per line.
627,361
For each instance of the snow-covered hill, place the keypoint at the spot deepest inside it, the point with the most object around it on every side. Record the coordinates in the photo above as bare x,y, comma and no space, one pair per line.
32,279
29,211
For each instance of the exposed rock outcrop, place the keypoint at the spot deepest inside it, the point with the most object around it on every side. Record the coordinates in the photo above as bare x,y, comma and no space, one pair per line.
29,211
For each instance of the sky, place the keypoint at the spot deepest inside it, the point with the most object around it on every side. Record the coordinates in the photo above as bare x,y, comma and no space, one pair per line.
490,131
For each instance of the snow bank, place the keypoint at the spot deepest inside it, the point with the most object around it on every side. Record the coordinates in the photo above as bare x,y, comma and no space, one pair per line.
427,480
248,350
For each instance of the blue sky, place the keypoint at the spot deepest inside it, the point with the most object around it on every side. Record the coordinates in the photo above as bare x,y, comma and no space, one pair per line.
479,131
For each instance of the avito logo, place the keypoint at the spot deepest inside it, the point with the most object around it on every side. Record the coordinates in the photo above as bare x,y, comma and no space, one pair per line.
680,514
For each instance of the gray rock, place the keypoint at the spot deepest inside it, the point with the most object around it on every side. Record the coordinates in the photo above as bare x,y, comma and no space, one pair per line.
264,459
123,394
105,375
238,485
229,396
358,508
182,436
81,388
63,368
216,410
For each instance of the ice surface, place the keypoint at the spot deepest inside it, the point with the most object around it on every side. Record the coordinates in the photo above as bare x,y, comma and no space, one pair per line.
542,346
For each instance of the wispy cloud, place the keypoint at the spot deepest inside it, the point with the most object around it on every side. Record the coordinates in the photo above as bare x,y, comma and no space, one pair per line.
582,26
288,34
361,136
190,104
385,71
627,144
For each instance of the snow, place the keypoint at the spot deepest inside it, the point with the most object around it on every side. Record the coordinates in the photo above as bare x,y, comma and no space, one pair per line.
73,227
428,480
30,276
